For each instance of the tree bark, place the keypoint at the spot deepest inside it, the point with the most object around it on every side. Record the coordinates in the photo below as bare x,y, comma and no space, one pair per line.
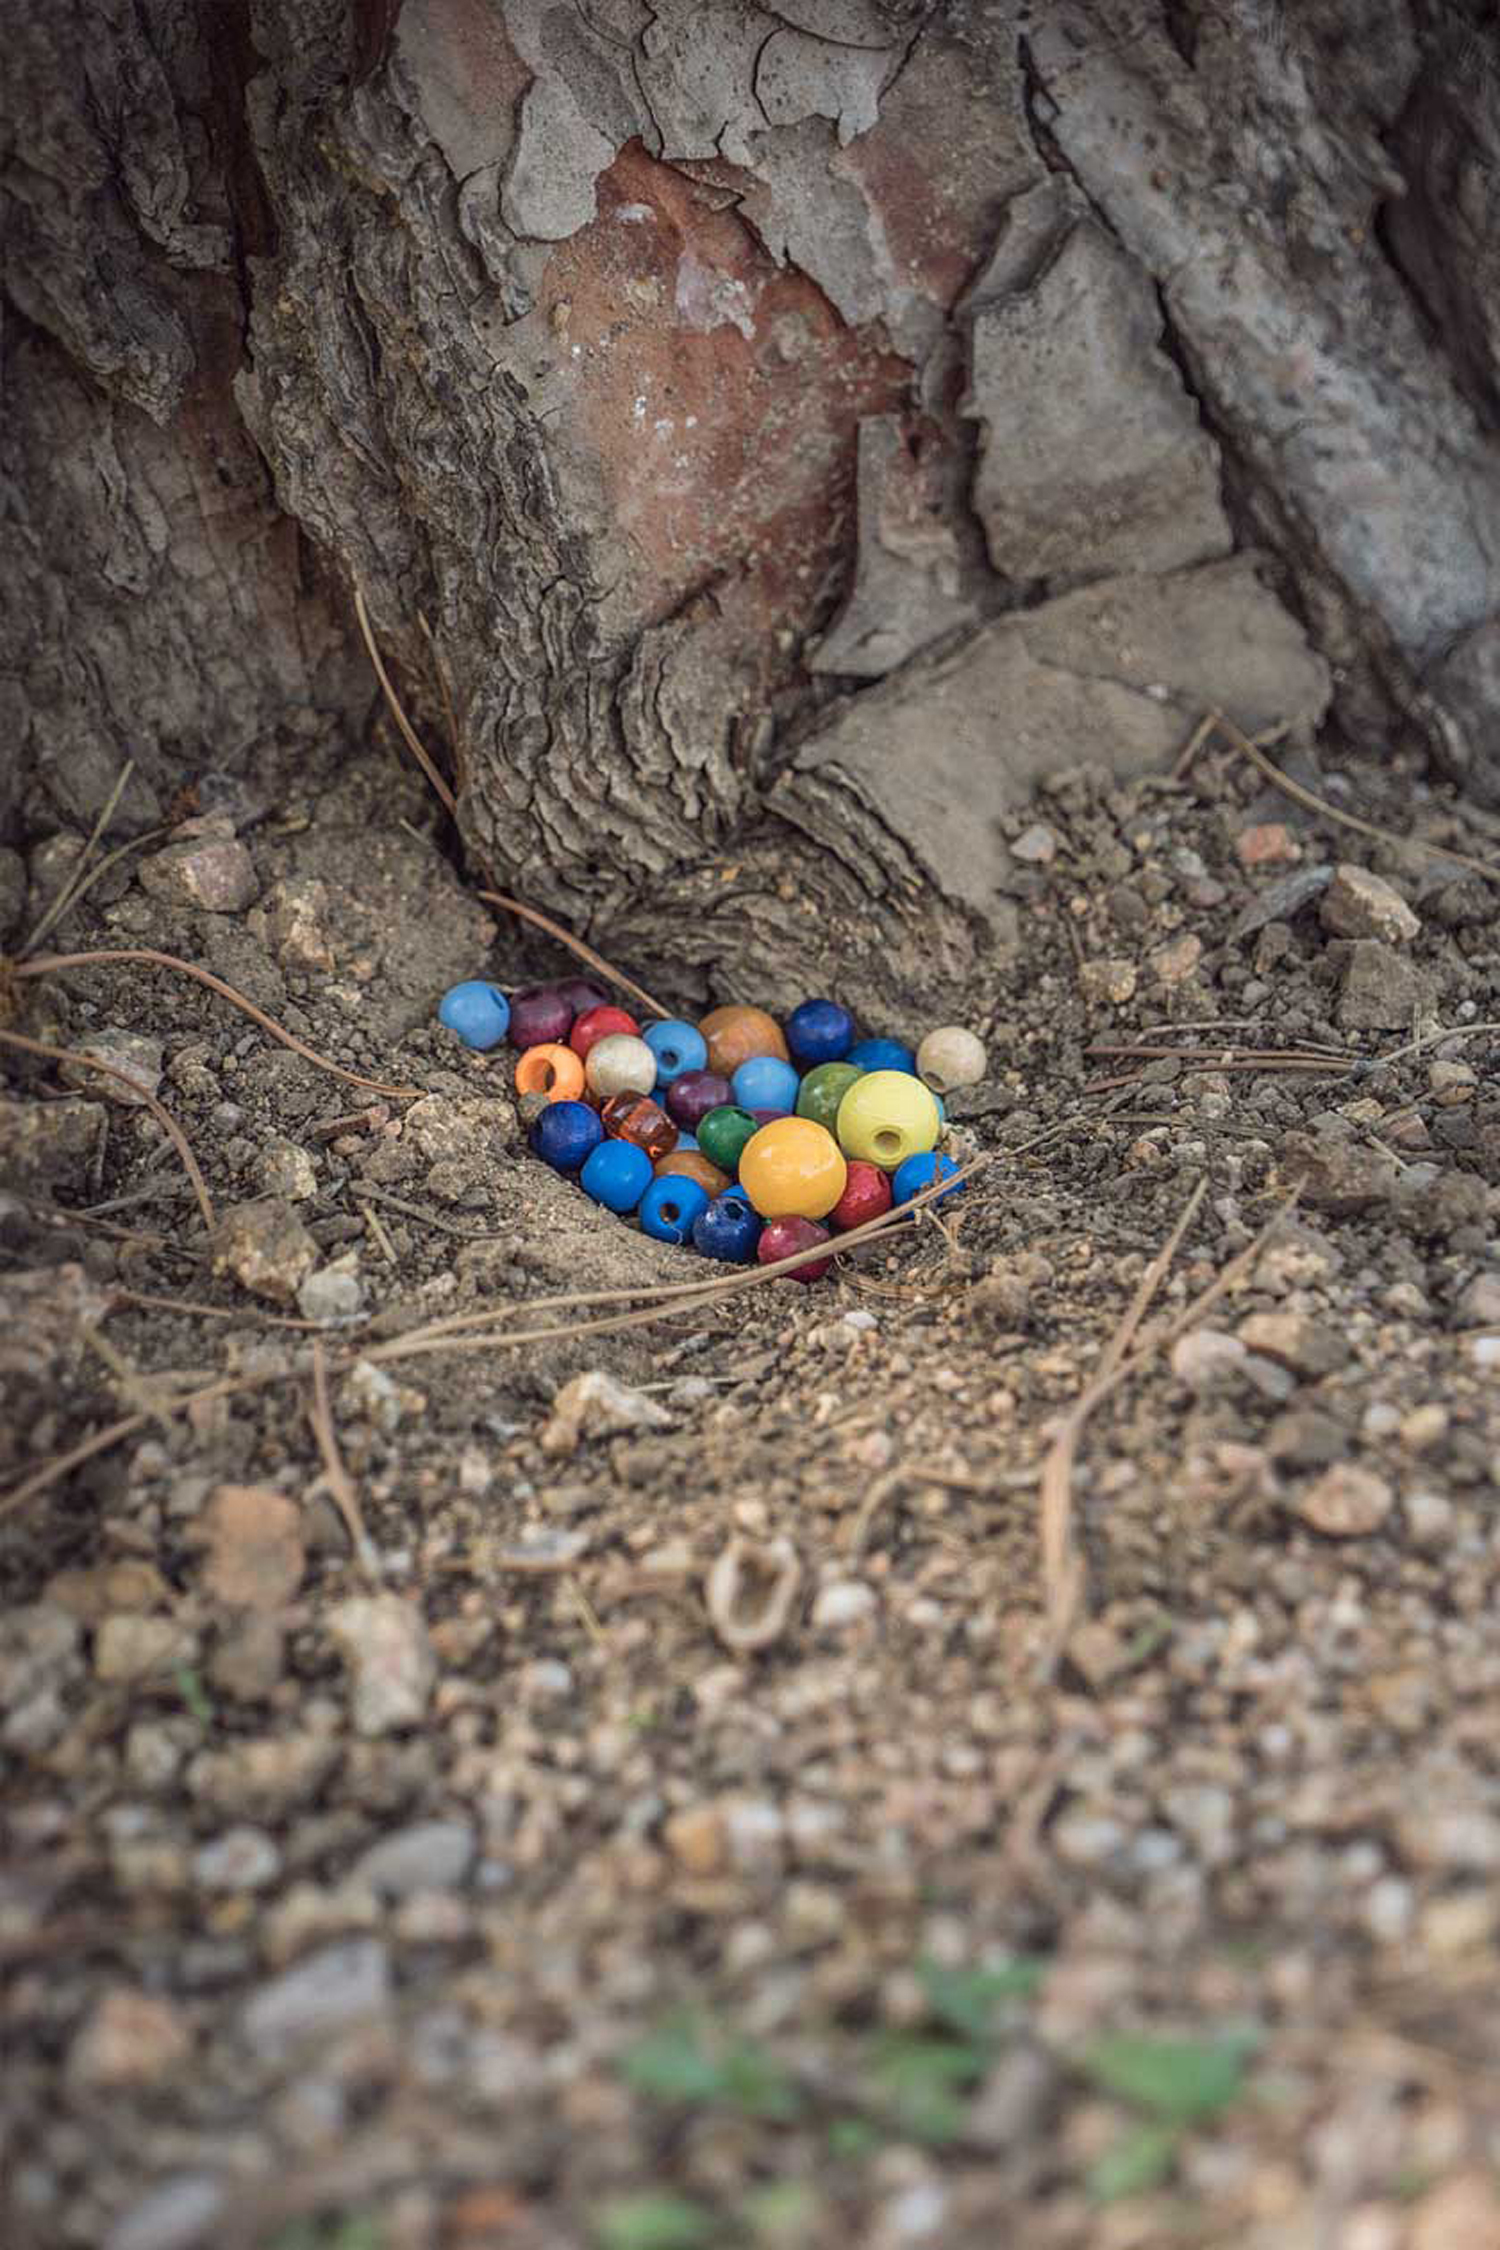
768,438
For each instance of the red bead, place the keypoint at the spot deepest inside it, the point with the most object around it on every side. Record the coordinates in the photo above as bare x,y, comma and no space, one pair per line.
867,1195
783,1238
635,1117
597,1024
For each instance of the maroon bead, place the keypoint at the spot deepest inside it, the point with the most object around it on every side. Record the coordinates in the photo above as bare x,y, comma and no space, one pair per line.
783,1238
694,1094
866,1196
635,1117
539,1016
581,994
768,1116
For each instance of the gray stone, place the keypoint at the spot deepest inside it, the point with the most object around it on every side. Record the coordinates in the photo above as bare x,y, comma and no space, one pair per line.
134,1056
46,1145
328,1992
1346,1502
211,870
1306,1346
431,1855
846,1602
1358,904
131,1650
266,1248
1281,900
242,1859
331,1295
390,1658
1381,989
179,2214
595,1405
1479,1305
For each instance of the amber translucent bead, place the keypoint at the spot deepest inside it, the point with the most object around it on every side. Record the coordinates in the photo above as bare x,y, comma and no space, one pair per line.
636,1118
687,1164
793,1169
551,1069
735,1034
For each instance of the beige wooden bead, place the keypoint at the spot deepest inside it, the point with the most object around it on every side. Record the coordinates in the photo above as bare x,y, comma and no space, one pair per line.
950,1057
620,1064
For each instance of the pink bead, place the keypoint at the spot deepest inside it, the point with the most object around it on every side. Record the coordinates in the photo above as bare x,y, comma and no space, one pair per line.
783,1238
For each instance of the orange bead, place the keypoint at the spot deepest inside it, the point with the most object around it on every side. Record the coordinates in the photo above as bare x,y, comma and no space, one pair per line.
735,1034
687,1164
793,1169
551,1070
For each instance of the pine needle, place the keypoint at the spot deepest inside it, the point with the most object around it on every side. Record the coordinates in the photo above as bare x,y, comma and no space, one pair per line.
148,1100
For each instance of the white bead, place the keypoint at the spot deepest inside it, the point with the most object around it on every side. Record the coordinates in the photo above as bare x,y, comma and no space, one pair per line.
620,1064
951,1057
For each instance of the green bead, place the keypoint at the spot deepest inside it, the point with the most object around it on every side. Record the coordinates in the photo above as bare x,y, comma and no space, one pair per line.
822,1091
722,1136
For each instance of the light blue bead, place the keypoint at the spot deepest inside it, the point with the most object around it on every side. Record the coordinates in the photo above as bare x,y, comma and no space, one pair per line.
883,1054
617,1175
685,1139
766,1082
478,1012
919,1172
669,1207
677,1047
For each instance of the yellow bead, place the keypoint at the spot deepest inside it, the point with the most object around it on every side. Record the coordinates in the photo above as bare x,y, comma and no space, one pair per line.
950,1057
886,1117
792,1169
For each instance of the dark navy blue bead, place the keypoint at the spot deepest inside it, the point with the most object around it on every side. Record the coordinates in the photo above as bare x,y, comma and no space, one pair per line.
819,1031
766,1082
478,1012
617,1175
918,1172
669,1207
883,1054
677,1047
566,1135
728,1229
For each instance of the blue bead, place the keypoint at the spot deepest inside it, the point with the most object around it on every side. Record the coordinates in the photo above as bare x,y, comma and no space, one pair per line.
920,1172
765,1082
669,1207
677,1047
566,1134
478,1012
685,1139
819,1031
883,1054
728,1229
617,1175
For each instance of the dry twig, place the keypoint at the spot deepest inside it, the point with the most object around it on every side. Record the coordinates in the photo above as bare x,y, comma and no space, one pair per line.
148,1100
335,1476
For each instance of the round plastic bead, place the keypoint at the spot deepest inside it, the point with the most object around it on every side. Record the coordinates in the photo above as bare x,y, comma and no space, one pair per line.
616,1175
581,994
690,1164
619,1063
951,1057
552,1070
728,1229
735,1034
886,1118
883,1054
920,1172
722,1135
539,1015
677,1047
602,1023
823,1090
783,1238
866,1196
479,1013
669,1207
793,1170
820,1031
766,1082
635,1117
694,1094
566,1135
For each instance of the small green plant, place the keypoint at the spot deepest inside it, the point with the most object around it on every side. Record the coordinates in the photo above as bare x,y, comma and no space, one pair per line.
359,2230
195,1697
655,2220
1174,2084
691,2062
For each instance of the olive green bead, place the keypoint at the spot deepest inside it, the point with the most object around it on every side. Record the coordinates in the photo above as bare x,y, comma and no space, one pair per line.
722,1135
822,1091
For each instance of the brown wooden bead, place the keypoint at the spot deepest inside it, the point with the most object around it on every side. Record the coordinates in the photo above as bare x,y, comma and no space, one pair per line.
735,1034
688,1164
635,1117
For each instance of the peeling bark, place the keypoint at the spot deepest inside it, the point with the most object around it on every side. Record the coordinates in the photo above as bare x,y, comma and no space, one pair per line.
693,371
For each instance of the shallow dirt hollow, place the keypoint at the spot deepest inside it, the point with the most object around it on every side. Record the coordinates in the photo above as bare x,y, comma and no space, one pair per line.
471,1891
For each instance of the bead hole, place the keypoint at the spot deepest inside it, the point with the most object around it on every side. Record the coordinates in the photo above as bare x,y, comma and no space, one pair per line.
671,1057
671,1212
888,1142
549,1077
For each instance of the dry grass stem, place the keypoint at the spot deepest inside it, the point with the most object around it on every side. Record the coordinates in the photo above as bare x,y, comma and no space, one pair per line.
409,734
1320,805
148,1101
585,953
47,963
153,1303
84,876
336,1477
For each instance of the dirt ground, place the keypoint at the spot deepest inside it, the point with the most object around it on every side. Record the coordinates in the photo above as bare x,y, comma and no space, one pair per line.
473,1885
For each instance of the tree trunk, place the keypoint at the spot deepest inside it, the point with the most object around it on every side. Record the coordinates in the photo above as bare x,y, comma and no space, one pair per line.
767,438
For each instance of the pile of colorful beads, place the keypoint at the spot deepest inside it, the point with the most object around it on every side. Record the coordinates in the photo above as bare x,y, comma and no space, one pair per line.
746,1137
